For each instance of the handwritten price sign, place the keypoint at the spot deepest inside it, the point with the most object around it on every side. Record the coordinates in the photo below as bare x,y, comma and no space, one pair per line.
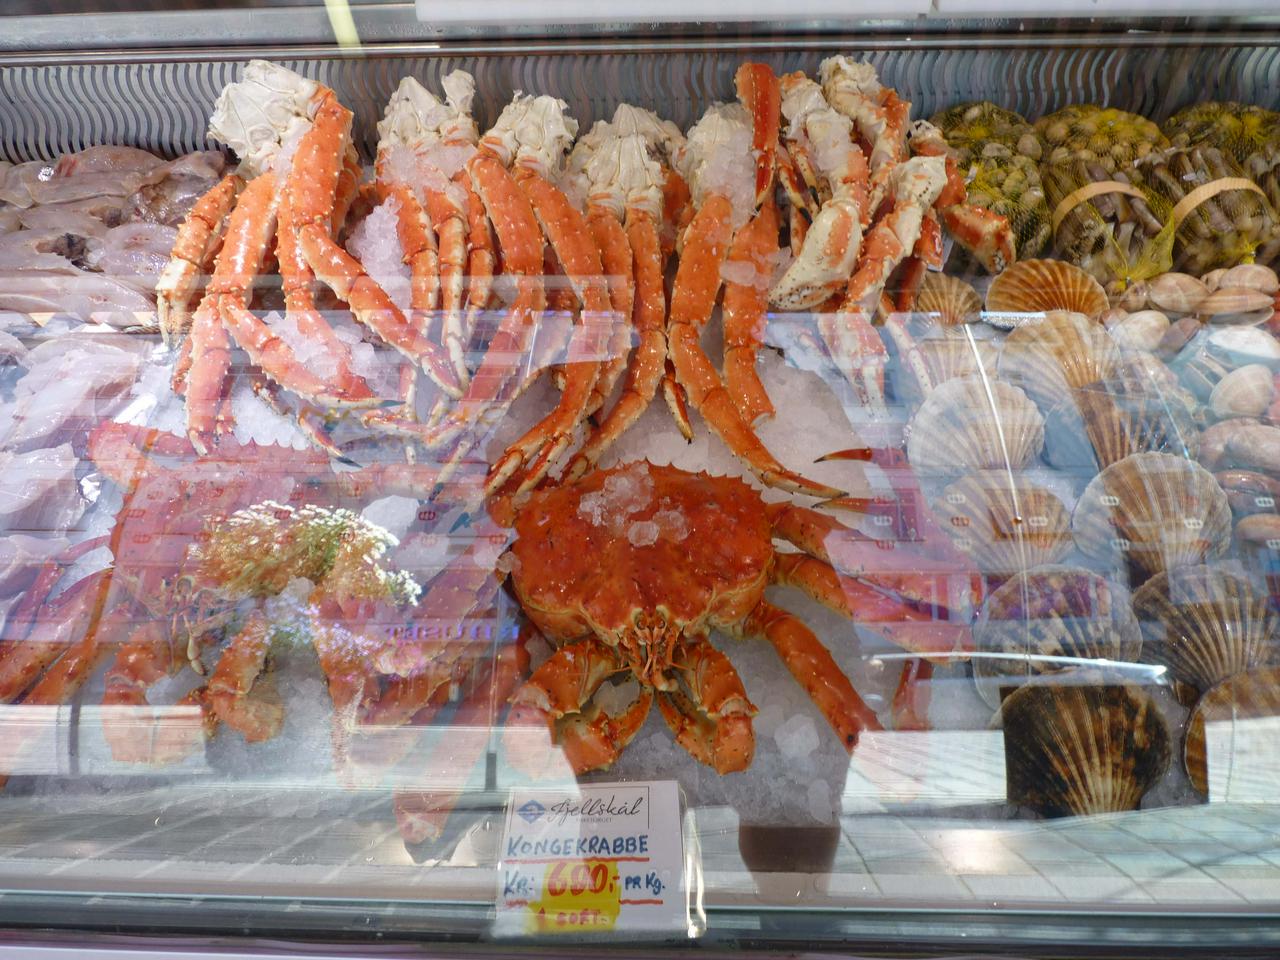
598,858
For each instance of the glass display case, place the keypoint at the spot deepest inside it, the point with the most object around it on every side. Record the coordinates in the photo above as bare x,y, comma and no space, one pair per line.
754,479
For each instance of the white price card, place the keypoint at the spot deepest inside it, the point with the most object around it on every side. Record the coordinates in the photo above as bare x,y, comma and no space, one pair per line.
593,858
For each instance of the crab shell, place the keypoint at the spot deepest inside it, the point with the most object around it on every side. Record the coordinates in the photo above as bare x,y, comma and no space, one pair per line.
641,558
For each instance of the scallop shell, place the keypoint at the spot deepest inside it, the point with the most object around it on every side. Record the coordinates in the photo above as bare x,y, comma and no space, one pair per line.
974,423
1075,751
1050,358
1038,286
1040,620
1155,511
1005,524
953,300
1101,424
947,357
1205,625
1246,696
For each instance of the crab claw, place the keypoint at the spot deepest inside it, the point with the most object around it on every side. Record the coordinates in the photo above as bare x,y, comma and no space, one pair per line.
759,92
985,235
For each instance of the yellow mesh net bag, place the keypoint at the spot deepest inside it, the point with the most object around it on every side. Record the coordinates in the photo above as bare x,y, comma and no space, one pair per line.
998,151
1238,130
1104,135
1111,226
1220,216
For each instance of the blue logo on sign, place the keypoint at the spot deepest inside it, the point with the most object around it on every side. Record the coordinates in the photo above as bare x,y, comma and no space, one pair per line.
531,810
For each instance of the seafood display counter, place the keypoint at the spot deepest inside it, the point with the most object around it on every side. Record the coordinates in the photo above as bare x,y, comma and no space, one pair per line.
816,489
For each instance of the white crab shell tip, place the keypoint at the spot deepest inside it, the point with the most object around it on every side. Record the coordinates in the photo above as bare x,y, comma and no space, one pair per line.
534,132
269,106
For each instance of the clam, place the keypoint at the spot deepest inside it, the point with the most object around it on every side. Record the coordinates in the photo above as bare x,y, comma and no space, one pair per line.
1213,279
974,423
1246,392
1176,293
1004,523
1143,330
1102,423
1154,511
1241,345
1180,333
1039,286
1252,276
1249,492
1205,625
1258,540
1050,358
1246,696
1214,440
1052,619
1134,297
1075,751
1235,305
1254,446
950,298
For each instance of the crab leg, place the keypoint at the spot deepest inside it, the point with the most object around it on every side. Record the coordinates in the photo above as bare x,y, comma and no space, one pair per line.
757,88
313,184
566,230
814,669
554,698
648,363
233,692
422,814
697,283
53,629
617,260
713,720
192,250
480,257
745,308
910,708
134,732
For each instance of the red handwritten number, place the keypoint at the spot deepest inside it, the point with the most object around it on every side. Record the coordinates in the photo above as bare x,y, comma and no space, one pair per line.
599,877
579,880
556,885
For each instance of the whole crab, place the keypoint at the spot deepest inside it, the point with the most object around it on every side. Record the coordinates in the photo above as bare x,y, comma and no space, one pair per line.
628,570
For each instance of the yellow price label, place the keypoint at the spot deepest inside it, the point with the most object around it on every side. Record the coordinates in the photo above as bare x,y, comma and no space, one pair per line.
577,896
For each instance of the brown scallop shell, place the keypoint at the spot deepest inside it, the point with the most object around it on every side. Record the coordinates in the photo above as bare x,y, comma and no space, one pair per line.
950,299
1081,750
946,357
1246,696
974,423
1039,286
1051,357
1205,625
1154,511
1101,424
1042,620
1005,524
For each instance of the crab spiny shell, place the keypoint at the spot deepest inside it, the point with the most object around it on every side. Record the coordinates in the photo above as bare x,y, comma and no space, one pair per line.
1079,750
972,423
1049,620
1005,523
1205,625
1155,511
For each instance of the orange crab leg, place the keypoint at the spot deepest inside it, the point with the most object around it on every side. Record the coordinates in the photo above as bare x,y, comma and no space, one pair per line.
814,669
745,309
313,182
557,691
758,89
36,640
647,366
480,255
197,239
696,286
231,689
618,262
714,723
911,699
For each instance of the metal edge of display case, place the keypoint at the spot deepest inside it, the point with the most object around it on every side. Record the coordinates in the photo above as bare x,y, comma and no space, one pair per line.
462,927
55,102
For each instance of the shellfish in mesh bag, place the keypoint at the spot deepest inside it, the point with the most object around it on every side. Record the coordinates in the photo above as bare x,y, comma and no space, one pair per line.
1079,750
1206,625
1237,129
1246,696
1052,619
1004,522
1263,167
1153,512
1102,220
1000,151
1113,138
971,126
1220,216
